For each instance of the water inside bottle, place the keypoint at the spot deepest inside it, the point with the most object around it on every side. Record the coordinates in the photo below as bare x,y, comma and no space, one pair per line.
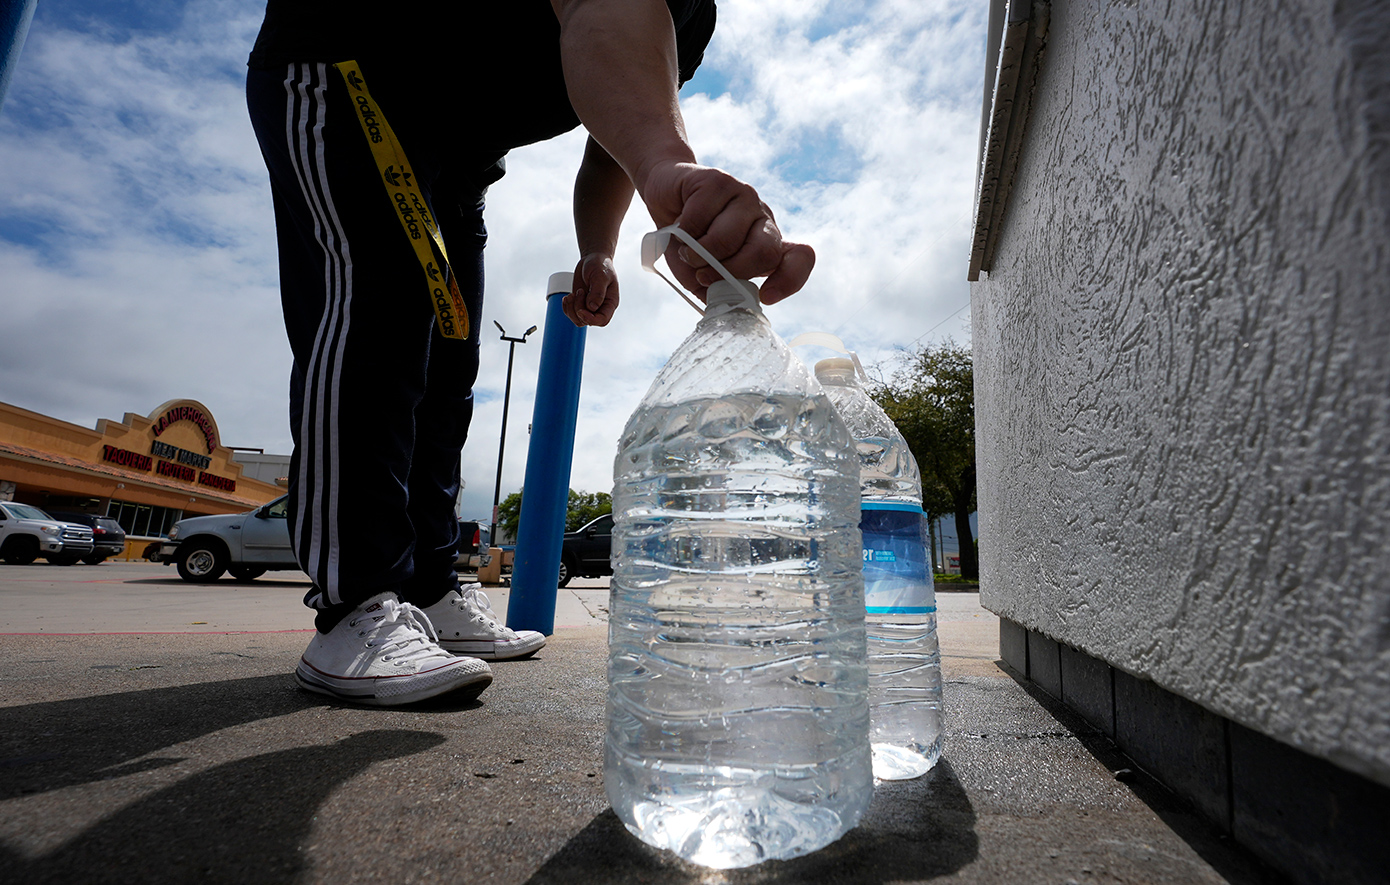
905,693
904,658
737,689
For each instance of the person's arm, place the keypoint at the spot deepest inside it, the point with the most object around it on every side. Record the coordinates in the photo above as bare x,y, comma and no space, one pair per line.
620,66
602,193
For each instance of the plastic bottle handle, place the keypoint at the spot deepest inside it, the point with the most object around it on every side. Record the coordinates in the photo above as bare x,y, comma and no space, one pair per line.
825,339
654,246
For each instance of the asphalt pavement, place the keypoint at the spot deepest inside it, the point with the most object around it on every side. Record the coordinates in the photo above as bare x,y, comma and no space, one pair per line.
150,731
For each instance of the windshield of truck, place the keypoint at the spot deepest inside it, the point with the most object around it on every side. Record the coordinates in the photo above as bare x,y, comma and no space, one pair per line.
24,511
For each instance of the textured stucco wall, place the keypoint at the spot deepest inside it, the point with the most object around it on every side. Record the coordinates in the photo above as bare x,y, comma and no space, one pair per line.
1183,361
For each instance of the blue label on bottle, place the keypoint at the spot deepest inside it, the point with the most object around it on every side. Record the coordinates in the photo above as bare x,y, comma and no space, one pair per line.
897,571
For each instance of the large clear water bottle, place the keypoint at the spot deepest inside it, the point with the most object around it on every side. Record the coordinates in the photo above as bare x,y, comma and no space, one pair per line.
737,700
904,657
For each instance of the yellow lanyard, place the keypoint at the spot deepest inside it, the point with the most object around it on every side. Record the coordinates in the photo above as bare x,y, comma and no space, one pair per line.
411,210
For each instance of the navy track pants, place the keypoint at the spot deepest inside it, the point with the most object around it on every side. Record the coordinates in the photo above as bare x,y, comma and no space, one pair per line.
380,402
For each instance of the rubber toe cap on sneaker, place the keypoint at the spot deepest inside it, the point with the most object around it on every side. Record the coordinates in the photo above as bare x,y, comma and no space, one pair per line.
526,643
462,681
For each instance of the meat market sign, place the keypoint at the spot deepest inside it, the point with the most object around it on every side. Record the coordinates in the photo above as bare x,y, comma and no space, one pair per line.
170,460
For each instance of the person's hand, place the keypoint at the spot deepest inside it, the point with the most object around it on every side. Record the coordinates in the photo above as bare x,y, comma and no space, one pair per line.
594,296
728,218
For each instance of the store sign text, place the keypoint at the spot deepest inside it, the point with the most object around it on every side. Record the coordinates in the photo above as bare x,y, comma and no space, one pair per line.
183,456
188,413
217,482
177,471
137,461
126,458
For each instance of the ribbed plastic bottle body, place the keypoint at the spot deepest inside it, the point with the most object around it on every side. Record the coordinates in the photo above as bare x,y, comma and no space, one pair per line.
737,705
900,595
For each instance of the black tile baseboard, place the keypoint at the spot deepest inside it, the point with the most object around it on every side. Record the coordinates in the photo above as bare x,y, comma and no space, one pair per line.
1308,818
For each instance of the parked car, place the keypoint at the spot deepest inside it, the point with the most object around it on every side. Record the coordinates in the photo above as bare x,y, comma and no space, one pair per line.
108,537
587,551
246,545
26,533
475,539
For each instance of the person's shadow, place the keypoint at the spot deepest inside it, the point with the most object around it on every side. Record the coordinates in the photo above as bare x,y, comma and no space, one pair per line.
913,830
48,746
242,821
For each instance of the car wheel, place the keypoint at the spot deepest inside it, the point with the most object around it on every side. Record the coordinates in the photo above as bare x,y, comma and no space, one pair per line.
94,558
21,551
63,558
201,563
244,574
565,573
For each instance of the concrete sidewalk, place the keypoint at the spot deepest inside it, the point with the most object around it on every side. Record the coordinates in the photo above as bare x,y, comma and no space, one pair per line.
177,751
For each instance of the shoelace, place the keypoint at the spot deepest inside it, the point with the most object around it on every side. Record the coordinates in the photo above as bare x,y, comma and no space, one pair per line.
407,625
482,607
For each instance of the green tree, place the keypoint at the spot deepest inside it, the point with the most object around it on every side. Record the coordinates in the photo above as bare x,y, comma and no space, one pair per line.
585,507
936,501
932,400
508,517
581,508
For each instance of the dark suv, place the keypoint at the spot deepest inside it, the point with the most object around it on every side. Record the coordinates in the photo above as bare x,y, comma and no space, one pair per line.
587,552
107,535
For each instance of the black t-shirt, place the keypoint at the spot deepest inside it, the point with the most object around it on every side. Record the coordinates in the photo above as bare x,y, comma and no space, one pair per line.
488,74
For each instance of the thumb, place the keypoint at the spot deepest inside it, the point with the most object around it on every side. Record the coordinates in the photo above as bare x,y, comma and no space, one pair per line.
791,274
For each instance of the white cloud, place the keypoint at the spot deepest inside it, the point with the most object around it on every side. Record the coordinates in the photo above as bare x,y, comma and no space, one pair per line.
149,272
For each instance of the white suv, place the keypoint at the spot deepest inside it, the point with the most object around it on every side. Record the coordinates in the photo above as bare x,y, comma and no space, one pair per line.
26,533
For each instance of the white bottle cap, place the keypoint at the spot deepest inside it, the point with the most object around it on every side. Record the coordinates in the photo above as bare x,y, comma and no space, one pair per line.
838,368
723,296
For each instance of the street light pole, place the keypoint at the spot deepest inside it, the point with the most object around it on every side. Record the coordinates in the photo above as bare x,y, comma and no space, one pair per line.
506,404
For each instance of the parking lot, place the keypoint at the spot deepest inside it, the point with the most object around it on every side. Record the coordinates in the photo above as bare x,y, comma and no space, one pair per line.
142,597
141,713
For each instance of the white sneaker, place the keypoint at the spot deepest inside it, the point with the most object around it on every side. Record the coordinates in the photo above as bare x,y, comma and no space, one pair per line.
468,626
385,653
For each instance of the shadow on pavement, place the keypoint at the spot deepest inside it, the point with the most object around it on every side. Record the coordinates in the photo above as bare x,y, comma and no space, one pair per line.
243,821
58,744
913,830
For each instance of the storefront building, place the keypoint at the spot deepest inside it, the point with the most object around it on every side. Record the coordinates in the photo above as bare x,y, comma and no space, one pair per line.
146,472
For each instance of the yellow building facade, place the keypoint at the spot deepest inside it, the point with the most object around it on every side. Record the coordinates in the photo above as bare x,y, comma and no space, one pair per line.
145,471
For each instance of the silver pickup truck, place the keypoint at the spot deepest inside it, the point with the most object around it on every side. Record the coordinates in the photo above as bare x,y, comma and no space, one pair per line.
26,533
246,545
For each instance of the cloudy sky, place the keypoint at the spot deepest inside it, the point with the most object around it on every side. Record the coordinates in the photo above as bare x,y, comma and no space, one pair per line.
137,247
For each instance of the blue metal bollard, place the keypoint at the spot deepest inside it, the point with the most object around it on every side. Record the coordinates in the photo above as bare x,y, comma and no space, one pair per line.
15,16
545,500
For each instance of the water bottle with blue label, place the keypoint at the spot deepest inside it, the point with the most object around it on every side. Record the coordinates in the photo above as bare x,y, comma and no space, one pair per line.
899,595
738,710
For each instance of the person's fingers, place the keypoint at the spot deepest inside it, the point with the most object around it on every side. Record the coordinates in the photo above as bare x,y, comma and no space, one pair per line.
572,303
598,276
791,274
604,315
691,257
594,298
758,256
729,220
568,305
732,223
600,312
706,193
